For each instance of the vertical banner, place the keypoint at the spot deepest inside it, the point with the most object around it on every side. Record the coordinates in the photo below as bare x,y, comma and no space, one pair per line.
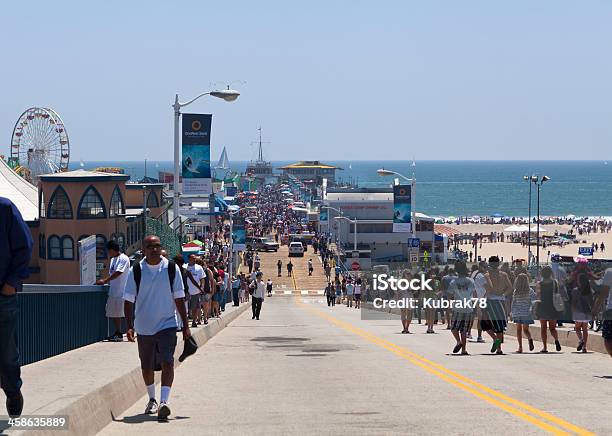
402,208
323,215
239,233
196,154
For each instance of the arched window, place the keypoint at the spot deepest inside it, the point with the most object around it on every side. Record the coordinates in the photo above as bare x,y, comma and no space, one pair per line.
55,247
67,248
42,249
116,205
91,205
152,200
59,206
101,247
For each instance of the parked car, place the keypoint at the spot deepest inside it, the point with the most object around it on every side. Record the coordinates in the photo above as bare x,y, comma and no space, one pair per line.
261,244
296,249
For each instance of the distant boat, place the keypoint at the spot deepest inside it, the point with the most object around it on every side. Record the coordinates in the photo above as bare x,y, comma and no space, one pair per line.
223,161
350,167
223,171
82,164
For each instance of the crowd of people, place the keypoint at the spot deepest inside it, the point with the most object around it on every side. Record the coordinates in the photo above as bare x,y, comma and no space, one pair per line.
158,296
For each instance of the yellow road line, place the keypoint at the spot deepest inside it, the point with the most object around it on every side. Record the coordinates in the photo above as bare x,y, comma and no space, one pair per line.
479,390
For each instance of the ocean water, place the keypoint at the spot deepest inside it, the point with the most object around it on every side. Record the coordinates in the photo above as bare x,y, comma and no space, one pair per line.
465,188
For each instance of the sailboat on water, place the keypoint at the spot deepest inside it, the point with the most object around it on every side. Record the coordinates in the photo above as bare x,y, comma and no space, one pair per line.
222,172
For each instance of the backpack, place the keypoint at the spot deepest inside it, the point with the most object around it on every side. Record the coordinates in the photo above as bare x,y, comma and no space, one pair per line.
137,271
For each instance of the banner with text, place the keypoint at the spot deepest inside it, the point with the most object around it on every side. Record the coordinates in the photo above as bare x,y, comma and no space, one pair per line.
196,154
402,208
239,233
323,215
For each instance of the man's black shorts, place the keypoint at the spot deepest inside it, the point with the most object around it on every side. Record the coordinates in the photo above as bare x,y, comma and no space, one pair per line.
162,343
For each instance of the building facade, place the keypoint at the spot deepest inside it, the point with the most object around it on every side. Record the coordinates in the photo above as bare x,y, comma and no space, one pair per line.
373,210
72,206
312,172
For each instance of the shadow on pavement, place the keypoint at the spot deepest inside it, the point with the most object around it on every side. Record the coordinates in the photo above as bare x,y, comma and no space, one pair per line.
141,417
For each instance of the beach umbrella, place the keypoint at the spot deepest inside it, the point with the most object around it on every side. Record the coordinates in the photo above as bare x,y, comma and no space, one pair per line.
514,228
497,215
195,241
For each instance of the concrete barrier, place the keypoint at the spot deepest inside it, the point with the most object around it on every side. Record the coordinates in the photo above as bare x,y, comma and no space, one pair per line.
95,408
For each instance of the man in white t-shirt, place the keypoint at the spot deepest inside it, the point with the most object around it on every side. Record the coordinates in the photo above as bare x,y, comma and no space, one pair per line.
605,298
117,277
153,295
195,275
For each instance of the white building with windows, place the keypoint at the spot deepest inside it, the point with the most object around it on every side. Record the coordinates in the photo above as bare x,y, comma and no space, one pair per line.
373,209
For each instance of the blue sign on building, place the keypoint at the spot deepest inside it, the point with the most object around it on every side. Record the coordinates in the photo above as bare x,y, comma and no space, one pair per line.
414,242
585,251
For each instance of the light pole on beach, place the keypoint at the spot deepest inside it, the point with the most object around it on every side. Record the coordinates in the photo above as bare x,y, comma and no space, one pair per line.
383,172
529,179
225,94
538,183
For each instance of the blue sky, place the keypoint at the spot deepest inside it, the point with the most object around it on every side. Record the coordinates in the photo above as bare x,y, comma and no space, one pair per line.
325,79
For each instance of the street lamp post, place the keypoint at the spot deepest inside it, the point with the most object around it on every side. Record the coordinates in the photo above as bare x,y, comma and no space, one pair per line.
231,248
539,185
337,210
383,172
354,222
225,94
529,179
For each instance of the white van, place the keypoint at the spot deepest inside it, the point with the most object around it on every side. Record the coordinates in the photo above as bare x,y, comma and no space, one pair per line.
296,249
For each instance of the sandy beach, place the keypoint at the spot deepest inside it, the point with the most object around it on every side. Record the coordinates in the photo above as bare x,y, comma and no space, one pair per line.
514,250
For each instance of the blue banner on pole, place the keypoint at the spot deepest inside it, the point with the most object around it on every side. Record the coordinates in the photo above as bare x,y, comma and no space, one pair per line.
238,233
402,208
196,154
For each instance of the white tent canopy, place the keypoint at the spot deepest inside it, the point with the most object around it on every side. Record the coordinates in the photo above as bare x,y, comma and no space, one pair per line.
516,229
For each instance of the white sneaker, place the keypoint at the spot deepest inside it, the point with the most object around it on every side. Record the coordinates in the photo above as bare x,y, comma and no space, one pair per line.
163,412
151,407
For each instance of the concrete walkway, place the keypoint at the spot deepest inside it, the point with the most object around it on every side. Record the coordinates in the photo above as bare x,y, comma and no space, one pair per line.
309,369
93,383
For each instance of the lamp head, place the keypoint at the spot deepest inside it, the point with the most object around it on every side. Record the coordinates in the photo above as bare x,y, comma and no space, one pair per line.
544,179
226,94
534,179
383,172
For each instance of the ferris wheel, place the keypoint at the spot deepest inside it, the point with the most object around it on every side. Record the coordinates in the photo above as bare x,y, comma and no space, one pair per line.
40,143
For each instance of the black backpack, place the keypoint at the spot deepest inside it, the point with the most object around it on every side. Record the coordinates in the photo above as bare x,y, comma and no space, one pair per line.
137,271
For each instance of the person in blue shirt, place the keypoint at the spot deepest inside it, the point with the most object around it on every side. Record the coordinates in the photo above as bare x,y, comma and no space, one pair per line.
15,253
